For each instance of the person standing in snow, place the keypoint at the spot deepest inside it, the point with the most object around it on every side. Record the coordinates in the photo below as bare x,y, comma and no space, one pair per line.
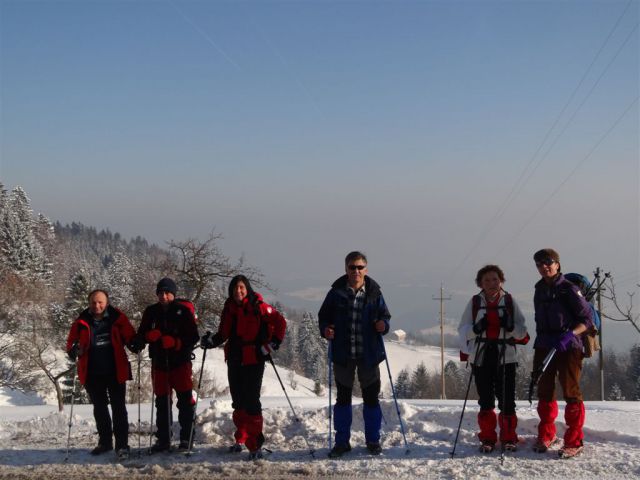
96,343
562,315
252,330
169,327
353,317
490,327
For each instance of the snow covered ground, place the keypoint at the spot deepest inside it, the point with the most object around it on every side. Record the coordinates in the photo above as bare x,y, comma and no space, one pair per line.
33,440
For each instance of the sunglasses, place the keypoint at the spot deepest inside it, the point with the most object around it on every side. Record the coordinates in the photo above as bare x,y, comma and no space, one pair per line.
356,267
547,263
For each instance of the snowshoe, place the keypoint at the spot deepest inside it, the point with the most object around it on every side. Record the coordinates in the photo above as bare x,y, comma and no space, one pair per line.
541,446
374,448
486,447
235,448
570,452
338,450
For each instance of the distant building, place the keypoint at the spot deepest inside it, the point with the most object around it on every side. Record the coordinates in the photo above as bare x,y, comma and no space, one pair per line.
398,335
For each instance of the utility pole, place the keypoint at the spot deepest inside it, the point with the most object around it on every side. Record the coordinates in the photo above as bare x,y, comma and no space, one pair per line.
601,352
442,298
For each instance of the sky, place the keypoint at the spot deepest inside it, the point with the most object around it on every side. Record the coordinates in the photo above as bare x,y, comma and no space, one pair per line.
434,136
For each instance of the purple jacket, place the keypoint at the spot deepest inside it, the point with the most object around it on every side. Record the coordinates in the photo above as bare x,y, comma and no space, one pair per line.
559,307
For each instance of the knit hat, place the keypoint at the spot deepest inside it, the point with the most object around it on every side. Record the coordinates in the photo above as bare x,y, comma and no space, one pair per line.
167,285
545,254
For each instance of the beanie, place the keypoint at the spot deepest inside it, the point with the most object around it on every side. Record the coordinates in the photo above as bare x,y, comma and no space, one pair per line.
167,285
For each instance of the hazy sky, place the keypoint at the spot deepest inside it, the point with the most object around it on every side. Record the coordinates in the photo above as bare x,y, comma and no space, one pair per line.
435,136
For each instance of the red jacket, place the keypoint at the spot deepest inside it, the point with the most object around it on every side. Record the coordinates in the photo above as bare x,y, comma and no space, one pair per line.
246,332
121,334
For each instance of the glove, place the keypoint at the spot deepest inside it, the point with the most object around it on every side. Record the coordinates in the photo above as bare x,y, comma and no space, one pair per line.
73,352
564,341
507,323
170,342
329,333
153,335
480,326
136,345
210,340
268,348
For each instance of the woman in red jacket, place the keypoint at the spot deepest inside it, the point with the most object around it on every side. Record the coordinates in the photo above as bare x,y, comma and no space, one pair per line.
96,343
252,330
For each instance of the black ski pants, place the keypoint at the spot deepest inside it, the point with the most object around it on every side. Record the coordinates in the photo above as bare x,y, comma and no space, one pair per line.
102,390
488,378
245,383
164,418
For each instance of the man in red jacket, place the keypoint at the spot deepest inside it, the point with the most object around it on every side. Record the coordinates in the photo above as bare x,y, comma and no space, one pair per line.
169,327
96,343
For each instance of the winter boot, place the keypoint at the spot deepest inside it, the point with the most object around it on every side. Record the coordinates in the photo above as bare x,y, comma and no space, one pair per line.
255,438
372,416
240,421
487,422
570,452
123,453
547,411
508,436
342,423
574,417
101,448
374,448
235,448
339,449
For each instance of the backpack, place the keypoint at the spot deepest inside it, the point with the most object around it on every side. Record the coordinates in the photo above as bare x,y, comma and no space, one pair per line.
188,304
476,306
590,339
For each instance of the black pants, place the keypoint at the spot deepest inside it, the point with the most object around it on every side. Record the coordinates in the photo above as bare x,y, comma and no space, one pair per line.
164,418
102,390
245,383
369,378
488,379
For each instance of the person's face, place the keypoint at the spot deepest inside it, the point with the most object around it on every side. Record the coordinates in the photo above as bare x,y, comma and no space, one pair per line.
98,304
356,270
548,268
239,292
165,298
490,283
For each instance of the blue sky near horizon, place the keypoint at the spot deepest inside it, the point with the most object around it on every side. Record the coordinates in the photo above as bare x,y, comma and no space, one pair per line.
307,129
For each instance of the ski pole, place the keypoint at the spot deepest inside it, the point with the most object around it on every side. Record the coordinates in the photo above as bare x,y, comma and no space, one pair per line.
464,405
504,400
153,394
536,374
295,416
73,396
139,399
395,400
330,365
195,407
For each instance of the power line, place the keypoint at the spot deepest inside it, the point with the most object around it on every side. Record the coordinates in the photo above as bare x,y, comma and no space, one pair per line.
519,183
568,177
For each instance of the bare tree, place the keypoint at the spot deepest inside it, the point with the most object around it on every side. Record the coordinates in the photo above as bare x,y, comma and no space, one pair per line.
624,313
202,267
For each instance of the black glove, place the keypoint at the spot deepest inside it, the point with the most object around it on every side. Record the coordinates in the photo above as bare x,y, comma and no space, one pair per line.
210,340
136,345
507,323
73,352
480,326
275,344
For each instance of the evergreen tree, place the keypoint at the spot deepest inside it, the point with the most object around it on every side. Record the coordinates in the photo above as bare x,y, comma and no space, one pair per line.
616,393
420,382
312,348
403,385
